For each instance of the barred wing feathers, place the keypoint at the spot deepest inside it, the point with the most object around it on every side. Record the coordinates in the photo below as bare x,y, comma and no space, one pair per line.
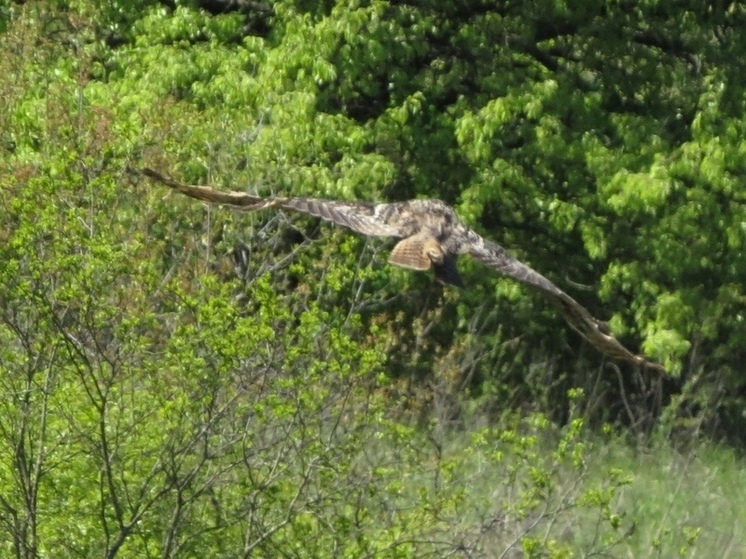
432,237
496,257
358,216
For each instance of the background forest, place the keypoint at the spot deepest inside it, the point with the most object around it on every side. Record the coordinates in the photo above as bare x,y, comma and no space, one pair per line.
178,380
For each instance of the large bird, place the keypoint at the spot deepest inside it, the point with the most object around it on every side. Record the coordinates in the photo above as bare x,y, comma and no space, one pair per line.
432,237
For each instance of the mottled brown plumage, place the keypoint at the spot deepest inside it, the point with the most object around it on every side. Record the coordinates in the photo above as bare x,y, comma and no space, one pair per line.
432,236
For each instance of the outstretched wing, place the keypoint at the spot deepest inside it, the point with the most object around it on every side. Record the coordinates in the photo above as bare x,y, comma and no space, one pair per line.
368,219
401,220
577,316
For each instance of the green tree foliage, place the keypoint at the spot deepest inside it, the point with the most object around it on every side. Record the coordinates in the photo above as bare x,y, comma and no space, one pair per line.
183,381
586,132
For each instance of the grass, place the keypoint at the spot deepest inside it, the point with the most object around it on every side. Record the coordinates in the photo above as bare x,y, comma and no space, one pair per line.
671,504
535,494
685,504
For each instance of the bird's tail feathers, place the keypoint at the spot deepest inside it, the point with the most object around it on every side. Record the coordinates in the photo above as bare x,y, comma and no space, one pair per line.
410,253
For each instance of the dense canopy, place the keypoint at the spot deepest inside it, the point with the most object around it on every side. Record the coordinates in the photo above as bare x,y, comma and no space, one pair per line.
162,359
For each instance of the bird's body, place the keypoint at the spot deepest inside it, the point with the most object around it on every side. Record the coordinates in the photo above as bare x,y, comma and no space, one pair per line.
432,237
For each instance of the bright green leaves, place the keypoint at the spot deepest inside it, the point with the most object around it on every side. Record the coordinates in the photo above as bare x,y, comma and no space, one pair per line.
594,238
185,381
591,138
183,27
543,480
668,347
633,193
480,133
360,175
186,54
694,235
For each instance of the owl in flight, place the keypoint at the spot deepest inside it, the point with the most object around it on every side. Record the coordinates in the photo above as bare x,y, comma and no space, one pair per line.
432,237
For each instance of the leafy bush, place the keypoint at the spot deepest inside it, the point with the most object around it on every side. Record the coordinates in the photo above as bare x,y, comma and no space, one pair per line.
182,381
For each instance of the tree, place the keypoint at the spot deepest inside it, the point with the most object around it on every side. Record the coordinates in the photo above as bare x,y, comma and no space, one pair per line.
154,401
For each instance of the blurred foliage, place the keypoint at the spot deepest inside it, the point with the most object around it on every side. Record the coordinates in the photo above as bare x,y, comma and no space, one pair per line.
210,381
